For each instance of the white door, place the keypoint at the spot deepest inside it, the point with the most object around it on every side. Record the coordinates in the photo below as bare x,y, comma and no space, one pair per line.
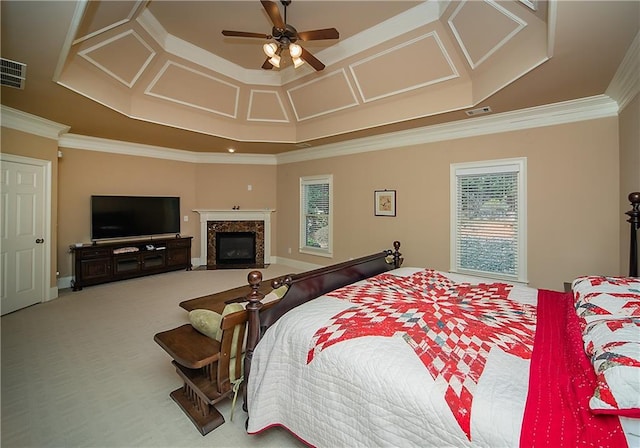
23,255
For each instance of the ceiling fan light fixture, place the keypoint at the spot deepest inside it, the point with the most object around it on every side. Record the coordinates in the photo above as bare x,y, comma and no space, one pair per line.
297,62
270,49
295,51
275,61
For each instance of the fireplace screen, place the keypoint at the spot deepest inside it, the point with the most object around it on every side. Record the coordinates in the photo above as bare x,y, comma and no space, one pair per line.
235,247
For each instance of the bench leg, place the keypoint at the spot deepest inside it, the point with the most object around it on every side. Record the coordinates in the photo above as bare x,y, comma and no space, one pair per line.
203,415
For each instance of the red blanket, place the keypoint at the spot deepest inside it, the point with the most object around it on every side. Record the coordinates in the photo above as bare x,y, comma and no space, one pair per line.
561,382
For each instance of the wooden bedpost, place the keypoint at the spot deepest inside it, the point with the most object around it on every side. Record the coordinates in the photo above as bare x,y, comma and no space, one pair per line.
397,256
634,221
253,327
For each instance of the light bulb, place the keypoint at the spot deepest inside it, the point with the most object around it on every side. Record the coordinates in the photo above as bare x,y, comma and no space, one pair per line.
275,61
297,62
295,50
270,49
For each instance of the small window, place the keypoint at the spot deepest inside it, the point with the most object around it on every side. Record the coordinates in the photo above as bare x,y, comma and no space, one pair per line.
316,229
488,208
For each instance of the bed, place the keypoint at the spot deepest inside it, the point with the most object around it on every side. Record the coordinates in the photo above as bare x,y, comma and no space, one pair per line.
370,353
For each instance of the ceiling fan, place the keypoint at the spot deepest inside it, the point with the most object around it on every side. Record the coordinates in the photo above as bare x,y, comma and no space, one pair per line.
286,38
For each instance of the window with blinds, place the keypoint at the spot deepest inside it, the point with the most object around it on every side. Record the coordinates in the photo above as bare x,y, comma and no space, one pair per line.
489,218
315,215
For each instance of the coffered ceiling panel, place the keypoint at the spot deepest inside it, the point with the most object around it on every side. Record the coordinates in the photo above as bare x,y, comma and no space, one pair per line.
266,105
123,57
105,16
482,27
322,96
196,89
425,59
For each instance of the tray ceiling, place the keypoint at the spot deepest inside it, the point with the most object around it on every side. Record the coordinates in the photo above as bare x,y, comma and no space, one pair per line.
401,64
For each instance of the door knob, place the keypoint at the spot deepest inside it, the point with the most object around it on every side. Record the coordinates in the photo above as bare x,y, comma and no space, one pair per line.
40,241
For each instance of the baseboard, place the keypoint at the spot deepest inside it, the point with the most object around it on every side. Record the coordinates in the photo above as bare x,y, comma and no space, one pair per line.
64,283
53,293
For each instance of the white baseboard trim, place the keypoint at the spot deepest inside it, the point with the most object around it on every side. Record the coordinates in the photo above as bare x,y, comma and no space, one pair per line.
53,293
64,282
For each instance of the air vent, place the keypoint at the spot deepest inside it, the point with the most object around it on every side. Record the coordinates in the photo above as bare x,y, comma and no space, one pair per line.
12,74
478,111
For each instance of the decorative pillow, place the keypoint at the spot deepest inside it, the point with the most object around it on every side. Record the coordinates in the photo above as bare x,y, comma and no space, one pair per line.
229,309
275,294
206,322
614,348
603,298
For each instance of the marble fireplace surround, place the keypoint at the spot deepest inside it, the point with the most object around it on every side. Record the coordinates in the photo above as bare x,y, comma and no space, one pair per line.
212,221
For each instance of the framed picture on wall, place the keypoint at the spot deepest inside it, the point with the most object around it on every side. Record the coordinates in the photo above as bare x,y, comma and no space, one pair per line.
385,202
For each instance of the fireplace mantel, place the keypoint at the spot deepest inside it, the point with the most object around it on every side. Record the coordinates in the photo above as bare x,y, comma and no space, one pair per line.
235,215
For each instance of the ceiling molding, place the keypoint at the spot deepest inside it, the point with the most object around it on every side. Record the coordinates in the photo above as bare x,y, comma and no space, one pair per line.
595,107
78,13
74,141
31,124
625,84
554,114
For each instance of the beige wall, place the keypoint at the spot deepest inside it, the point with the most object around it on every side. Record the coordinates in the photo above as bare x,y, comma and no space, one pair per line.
83,173
629,170
30,145
573,199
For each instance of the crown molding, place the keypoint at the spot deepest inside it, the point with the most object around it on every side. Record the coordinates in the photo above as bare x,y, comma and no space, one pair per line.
74,141
599,106
625,84
31,124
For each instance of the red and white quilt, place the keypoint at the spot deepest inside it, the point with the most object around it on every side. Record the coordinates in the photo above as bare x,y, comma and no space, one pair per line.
423,358
451,326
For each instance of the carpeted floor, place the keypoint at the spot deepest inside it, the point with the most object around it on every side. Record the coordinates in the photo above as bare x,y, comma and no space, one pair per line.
83,370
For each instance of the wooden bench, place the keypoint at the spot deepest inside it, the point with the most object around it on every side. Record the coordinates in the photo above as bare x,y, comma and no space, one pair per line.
204,365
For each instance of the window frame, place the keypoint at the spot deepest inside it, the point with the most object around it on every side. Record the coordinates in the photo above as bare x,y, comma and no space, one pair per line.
518,165
325,179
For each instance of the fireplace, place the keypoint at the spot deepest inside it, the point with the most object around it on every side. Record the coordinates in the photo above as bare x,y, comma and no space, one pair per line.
235,248
213,222
242,229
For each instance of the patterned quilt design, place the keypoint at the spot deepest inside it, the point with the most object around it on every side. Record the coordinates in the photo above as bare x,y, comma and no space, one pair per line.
451,327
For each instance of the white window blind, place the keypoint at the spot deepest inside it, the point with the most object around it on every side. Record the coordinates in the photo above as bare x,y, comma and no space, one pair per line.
316,220
488,224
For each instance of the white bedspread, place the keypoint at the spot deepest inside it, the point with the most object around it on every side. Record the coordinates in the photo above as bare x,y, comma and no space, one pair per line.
375,391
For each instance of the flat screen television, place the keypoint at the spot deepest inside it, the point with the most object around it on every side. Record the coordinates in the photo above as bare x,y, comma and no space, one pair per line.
131,216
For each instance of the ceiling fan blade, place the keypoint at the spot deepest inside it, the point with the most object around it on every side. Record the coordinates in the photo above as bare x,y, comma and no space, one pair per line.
274,13
312,60
244,34
327,33
267,65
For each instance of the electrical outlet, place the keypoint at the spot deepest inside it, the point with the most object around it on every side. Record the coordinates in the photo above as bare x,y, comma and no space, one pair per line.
186,218
289,250
249,187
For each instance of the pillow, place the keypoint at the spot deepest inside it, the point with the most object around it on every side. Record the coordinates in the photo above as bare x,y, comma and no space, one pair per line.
603,298
274,294
614,348
206,322
229,309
